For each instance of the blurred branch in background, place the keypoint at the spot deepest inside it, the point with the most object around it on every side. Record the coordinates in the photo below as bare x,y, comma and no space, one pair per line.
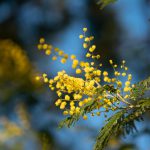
16,72
104,3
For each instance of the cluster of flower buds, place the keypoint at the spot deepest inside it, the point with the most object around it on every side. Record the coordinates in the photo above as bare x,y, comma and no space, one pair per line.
75,92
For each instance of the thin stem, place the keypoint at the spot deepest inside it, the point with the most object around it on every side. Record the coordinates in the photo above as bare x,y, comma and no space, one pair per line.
130,105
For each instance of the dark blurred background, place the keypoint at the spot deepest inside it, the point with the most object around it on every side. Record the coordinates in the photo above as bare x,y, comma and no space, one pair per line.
28,117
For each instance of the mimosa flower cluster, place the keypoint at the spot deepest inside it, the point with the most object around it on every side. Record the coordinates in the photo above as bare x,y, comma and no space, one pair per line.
49,50
95,85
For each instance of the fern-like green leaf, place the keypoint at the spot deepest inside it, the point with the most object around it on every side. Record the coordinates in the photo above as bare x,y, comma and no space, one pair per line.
123,121
145,83
106,132
69,121
140,88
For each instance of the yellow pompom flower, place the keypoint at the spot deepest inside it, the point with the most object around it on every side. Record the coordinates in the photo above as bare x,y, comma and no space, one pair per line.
80,104
116,73
127,89
75,62
73,57
110,61
85,117
129,77
77,110
123,74
87,39
45,46
63,60
91,49
105,73
63,105
58,102
65,112
106,79
119,83
81,36
59,94
78,71
48,52
98,72
85,45
67,97
60,53
71,112
44,75
127,83
45,80
54,57
88,55
72,103
42,40
84,29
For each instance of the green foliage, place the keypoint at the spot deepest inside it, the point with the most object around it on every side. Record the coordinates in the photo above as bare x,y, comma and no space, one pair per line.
104,3
140,88
123,121
106,132
145,83
69,121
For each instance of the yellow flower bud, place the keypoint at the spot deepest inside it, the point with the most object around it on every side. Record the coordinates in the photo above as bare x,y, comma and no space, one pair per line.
127,83
45,80
88,55
86,39
48,52
78,71
110,61
63,60
73,57
42,40
85,117
127,89
85,45
63,105
71,112
123,74
65,113
54,57
105,73
67,97
81,36
84,29
80,104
